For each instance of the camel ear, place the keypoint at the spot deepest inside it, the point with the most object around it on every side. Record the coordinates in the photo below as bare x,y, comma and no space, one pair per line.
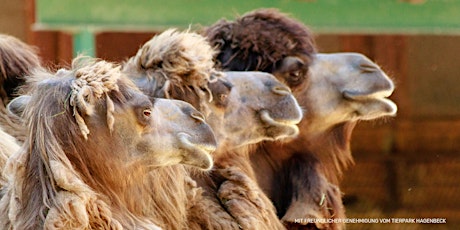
290,63
17,105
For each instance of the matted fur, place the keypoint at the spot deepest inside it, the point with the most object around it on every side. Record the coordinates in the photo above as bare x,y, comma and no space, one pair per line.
8,146
176,63
12,124
17,59
238,191
55,181
179,65
258,41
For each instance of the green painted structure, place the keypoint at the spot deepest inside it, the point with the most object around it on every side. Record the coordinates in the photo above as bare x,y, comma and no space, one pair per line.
83,18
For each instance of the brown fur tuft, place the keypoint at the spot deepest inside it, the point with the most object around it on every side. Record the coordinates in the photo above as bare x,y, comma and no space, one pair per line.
259,40
177,62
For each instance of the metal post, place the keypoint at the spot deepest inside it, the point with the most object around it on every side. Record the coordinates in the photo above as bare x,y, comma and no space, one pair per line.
84,43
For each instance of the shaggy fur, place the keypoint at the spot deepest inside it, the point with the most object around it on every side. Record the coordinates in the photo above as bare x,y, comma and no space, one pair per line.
157,59
236,187
62,179
12,124
17,60
259,41
179,66
8,146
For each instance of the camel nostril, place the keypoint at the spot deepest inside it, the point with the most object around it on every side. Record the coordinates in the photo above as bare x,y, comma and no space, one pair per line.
368,67
265,117
198,116
281,90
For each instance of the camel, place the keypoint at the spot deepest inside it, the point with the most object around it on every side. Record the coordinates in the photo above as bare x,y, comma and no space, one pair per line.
356,89
243,108
337,90
94,140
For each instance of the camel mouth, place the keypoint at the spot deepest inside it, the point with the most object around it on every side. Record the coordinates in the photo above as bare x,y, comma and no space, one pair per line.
196,154
372,104
357,95
280,128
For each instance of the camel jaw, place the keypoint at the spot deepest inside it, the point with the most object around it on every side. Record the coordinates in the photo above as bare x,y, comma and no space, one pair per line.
196,154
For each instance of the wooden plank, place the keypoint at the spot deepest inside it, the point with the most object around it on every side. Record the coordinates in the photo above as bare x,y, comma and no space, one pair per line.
438,137
324,16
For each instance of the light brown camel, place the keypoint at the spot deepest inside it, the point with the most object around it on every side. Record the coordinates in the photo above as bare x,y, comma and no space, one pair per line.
241,107
352,88
337,90
93,141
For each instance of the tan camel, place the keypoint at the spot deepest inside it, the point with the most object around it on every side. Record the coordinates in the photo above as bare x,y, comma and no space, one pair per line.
352,88
337,90
93,141
241,107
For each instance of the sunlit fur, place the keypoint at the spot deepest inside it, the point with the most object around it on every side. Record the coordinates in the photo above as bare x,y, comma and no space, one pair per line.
73,172
8,146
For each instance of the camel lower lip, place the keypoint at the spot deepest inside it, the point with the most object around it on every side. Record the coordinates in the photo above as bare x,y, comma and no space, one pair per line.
196,154
265,116
354,95
284,129
184,139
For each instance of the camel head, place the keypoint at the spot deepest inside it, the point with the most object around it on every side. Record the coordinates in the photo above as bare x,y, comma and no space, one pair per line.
249,107
344,87
166,132
113,116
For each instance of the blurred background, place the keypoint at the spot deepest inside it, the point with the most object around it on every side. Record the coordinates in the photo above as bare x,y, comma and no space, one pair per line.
408,166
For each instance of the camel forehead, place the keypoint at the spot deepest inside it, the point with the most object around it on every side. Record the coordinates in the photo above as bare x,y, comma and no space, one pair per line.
251,79
345,68
345,57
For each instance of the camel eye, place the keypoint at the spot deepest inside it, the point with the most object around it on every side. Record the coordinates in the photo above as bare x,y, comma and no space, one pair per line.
295,74
223,97
295,78
147,112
